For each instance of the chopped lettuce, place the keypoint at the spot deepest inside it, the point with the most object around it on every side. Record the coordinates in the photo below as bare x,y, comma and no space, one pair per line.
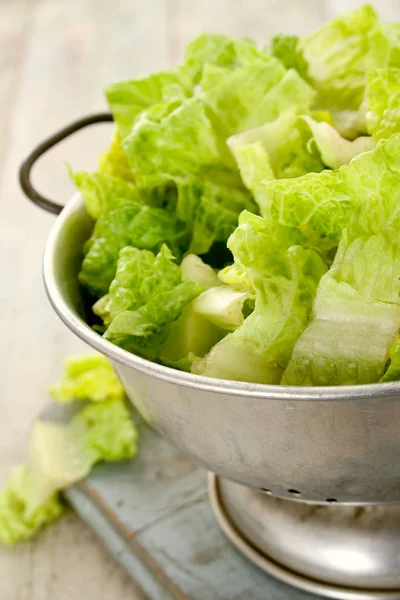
145,329
286,49
357,306
63,451
87,377
128,99
392,372
383,102
337,55
130,224
140,276
384,46
194,269
222,305
335,150
114,161
16,523
285,276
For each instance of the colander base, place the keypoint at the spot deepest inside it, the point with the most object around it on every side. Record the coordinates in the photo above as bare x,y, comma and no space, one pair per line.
339,551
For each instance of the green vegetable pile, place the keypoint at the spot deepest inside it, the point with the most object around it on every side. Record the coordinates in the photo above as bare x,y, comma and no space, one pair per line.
247,211
64,450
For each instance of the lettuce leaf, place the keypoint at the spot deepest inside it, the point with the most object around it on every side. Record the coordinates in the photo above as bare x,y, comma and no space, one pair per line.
144,330
128,99
285,276
222,305
87,377
63,451
194,269
335,150
286,49
392,372
130,224
114,161
16,524
337,56
383,101
140,276
384,46
357,306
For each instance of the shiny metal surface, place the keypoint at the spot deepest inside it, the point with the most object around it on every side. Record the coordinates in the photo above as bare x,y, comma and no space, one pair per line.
343,552
340,545
312,444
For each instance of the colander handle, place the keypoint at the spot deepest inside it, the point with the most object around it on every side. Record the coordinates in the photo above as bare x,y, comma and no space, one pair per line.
27,165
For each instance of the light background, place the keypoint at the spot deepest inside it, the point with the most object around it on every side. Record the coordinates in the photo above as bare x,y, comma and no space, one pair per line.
56,56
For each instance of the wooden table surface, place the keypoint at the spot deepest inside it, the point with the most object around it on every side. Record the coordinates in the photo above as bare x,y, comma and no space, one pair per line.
56,56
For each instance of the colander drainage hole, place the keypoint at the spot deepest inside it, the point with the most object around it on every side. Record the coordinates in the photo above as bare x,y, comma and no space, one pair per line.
331,500
265,490
294,492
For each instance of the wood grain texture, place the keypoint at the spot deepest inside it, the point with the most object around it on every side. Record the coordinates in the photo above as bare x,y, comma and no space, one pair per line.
56,56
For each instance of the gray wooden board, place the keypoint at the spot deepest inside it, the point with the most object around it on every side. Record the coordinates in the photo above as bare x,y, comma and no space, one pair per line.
154,516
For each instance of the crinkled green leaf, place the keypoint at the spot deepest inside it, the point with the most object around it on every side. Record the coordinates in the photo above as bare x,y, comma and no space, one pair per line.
335,150
279,149
222,305
286,49
392,372
130,224
102,191
177,148
357,306
384,46
127,99
87,377
16,525
383,100
140,276
320,204
194,269
285,276
211,209
337,58
114,161
216,49
251,96
144,329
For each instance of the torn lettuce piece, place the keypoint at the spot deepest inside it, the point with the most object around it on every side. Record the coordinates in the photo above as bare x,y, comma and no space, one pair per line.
210,208
252,96
140,276
222,305
336,55
320,204
87,377
130,224
357,306
392,372
63,453
383,101
335,150
194,269
102,191
285,276
237,276
128,99
278,149
384,46
178,147
17,523
144,330
114,161
286,49
217,50
348,340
